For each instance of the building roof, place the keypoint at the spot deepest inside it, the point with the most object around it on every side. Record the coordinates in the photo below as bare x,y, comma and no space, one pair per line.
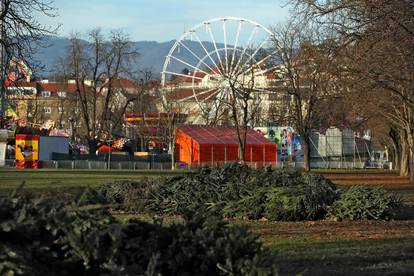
191,94
71,86
121,83
196,77
55,87
222,135
50,86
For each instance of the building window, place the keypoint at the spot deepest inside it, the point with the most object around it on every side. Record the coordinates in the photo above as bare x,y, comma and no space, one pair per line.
45,93
60,109
62,94
47,110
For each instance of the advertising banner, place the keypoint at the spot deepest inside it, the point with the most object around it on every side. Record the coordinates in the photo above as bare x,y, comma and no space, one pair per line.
27,151
286,138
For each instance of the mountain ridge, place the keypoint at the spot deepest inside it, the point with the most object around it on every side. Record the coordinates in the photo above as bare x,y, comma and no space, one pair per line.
152,55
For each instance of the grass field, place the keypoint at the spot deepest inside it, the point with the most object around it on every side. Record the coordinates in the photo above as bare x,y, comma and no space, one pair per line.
44,178
344,248
61,178
307,248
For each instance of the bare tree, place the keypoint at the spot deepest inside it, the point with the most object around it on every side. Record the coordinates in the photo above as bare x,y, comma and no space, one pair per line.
96,67
21,32
305,57
244,104
24,31
239,100
173,117
378,37
143,102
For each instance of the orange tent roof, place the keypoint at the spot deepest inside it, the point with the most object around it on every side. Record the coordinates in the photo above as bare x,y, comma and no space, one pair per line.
222,135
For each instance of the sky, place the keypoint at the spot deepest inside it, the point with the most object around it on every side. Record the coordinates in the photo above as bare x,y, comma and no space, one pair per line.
158,20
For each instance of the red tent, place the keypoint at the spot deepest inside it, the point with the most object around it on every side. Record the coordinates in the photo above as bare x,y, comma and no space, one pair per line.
214,146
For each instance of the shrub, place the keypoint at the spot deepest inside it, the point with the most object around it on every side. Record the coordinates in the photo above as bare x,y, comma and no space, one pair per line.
250,206
306,199
304,202
39,237
238,191
303,197
129,195
366,203
203,245
212,187
280,177
230,172
321,187
231,250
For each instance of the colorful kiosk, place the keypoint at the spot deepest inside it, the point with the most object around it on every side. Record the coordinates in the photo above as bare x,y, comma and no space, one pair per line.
27,151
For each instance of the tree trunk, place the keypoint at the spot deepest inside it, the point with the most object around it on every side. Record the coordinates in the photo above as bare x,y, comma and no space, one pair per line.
396,158
396,149
404,159
306,154
412,166
410,154
172,148
240,153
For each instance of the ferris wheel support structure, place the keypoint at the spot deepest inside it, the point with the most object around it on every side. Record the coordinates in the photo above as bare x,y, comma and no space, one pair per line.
214,61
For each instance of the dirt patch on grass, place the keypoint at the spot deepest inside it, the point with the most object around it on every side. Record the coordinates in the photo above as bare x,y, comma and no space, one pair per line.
271,232
391,181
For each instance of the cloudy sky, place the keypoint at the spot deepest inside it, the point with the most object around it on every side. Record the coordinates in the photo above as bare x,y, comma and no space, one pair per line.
158,20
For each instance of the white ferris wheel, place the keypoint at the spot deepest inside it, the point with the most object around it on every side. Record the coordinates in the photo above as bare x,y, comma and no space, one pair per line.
208,58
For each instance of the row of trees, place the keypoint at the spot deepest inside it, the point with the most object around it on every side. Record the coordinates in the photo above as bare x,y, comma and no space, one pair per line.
94,63
345,63
96,66
335,72
355,57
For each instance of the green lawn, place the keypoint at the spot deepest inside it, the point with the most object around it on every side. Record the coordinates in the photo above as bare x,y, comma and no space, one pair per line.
52,178
339,247
366,257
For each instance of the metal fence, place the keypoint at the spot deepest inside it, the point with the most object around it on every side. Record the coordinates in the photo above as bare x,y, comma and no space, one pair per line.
154,158
339,145
91,164
139,165
145,165
255,165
